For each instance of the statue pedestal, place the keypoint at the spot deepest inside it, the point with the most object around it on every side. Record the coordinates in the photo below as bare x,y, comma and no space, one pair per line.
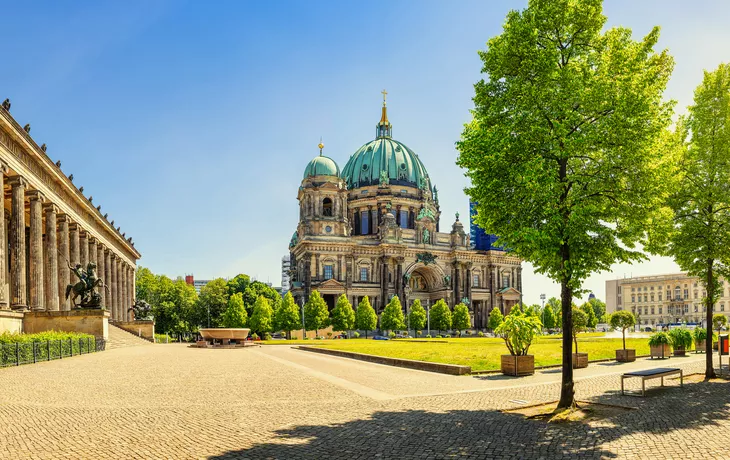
87,321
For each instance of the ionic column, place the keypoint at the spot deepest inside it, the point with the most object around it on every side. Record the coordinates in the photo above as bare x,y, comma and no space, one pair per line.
132,286
37,287
75,252
64,274
102,273
123,290
118,291
127,304
108,281
92,251
18,299
50,274
4,304
115,297
83,249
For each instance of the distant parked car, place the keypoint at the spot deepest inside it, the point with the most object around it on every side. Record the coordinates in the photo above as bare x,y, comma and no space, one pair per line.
403,335
380,337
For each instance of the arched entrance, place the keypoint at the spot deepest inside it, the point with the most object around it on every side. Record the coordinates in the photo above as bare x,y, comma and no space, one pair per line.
425,283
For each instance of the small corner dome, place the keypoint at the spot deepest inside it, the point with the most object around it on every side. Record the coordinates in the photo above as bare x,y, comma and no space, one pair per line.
322,166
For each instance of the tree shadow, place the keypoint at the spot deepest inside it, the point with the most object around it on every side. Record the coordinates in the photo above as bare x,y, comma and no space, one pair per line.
417,434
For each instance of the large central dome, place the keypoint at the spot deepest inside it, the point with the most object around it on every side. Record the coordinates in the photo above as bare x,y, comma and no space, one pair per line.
385,157
401,164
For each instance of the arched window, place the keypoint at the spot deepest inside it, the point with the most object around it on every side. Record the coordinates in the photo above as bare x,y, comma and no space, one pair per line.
327,207
677,293
403,219
364,223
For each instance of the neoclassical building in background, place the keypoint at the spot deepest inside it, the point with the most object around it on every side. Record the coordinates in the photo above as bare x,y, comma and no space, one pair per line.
48,224
373,229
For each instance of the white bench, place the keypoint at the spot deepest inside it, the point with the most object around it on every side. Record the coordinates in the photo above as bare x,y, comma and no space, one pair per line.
647,374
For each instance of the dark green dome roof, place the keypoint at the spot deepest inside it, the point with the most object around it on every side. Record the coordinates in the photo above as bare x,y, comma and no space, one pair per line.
322,166
401,164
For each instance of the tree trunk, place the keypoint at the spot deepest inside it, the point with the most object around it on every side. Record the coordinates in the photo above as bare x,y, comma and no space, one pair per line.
575,340
709,367
567,391
623,331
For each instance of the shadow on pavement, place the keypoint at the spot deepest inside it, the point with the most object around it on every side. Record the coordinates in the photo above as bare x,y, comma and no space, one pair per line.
417,434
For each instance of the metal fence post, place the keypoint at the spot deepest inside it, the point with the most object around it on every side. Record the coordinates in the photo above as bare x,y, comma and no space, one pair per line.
17,353
60,349
71,345
48,344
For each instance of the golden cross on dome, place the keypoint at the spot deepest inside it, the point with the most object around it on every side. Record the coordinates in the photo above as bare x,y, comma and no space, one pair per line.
385,94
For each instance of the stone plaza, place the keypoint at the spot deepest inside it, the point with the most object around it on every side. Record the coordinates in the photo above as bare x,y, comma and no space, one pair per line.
175,402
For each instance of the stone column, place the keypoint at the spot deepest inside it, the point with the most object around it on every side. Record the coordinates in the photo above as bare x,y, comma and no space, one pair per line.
18,299
4,303
83,249
102,273
113,286
133,285
92,251
64,274
50,273
108,281
75,252
37,286
119,301
123,290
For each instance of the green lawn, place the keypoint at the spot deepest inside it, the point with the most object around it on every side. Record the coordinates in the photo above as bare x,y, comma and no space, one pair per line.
480,353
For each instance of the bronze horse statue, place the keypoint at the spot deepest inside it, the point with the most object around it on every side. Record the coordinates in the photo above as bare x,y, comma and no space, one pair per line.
85,288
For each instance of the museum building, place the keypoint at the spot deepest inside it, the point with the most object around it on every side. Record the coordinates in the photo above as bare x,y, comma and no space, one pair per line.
373,229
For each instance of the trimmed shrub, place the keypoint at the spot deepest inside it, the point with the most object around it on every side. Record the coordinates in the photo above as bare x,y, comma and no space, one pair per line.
391,335
356,335
480,334
428,336
163,338
267,336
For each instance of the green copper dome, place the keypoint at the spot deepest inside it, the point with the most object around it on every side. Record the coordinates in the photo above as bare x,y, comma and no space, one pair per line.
322,166
385,157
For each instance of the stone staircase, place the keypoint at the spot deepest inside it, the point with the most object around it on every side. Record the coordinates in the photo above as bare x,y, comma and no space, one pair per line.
119,338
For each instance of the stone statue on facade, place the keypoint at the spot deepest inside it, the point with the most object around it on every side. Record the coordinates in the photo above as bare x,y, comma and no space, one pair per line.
142,310
384,180
86,287
426,236
447,280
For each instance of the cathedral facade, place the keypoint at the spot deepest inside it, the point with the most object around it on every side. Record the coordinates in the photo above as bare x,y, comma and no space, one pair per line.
373,229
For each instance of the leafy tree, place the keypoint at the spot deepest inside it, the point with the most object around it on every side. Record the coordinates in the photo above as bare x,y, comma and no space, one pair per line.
256,289
599,308
261,319
235,314
580,323
562,151
343,316
590,314
316,315
518,331
495,318
239,284
460,319
516,310
623,319
417,316
700,201
392,318
554,303
212,302
365,318
718,322
548,317
171,302
441,316
287,317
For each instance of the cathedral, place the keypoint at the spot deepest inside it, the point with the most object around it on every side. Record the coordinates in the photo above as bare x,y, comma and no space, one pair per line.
372,229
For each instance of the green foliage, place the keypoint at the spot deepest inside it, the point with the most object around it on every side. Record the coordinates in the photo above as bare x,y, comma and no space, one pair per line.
343,316
599,308
417,317
428,336
239,284
316,315
356,335
518,331
718,321
365,318
440,316
256,289
391,335
495,318
461,319
680,338
580,323
255,336
172,303
163,338
659,338
261,319
591,318
700,335
480,334
563,150
623,320
267,336
549,317
392,317
235,314
287,317
58,343
214,300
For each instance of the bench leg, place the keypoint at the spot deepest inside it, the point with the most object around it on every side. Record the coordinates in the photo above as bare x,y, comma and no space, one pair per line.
681,379
643,389
622,385
662,381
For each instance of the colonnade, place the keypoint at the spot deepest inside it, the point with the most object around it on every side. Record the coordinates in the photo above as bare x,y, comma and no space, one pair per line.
34,264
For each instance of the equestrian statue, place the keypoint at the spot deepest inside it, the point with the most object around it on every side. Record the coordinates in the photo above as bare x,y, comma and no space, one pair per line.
85,288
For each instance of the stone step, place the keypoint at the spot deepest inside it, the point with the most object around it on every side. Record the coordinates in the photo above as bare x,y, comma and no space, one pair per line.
119,338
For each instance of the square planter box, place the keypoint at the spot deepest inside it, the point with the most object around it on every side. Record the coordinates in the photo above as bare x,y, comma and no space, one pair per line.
580,360
679,351
660,351
700,347
626,356
518,365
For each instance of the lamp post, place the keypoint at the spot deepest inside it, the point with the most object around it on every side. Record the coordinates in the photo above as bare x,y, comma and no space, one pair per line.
428,316
304,327
542,297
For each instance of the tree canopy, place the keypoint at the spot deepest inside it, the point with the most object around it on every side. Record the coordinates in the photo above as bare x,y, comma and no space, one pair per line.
440,316
365,318
316,314
495,318
392,318
212,302
261,320
343,316
235,314
563,151
460,319
417,317
287,317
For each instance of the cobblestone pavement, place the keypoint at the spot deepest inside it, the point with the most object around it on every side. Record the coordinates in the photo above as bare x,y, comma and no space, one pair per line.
170,401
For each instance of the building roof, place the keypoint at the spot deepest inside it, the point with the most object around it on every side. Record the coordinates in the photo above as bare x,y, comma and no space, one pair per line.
385,157
321,166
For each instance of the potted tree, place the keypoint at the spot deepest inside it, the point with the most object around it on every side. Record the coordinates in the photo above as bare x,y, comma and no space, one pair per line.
700,337
623,320
580,323
518,331
681,339
659,345
718,322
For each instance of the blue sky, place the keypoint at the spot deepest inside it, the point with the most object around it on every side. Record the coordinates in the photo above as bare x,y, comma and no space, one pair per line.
191,122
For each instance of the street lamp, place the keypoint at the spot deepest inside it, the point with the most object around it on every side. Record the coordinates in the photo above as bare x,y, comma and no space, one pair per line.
542,297
428,316
304,328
